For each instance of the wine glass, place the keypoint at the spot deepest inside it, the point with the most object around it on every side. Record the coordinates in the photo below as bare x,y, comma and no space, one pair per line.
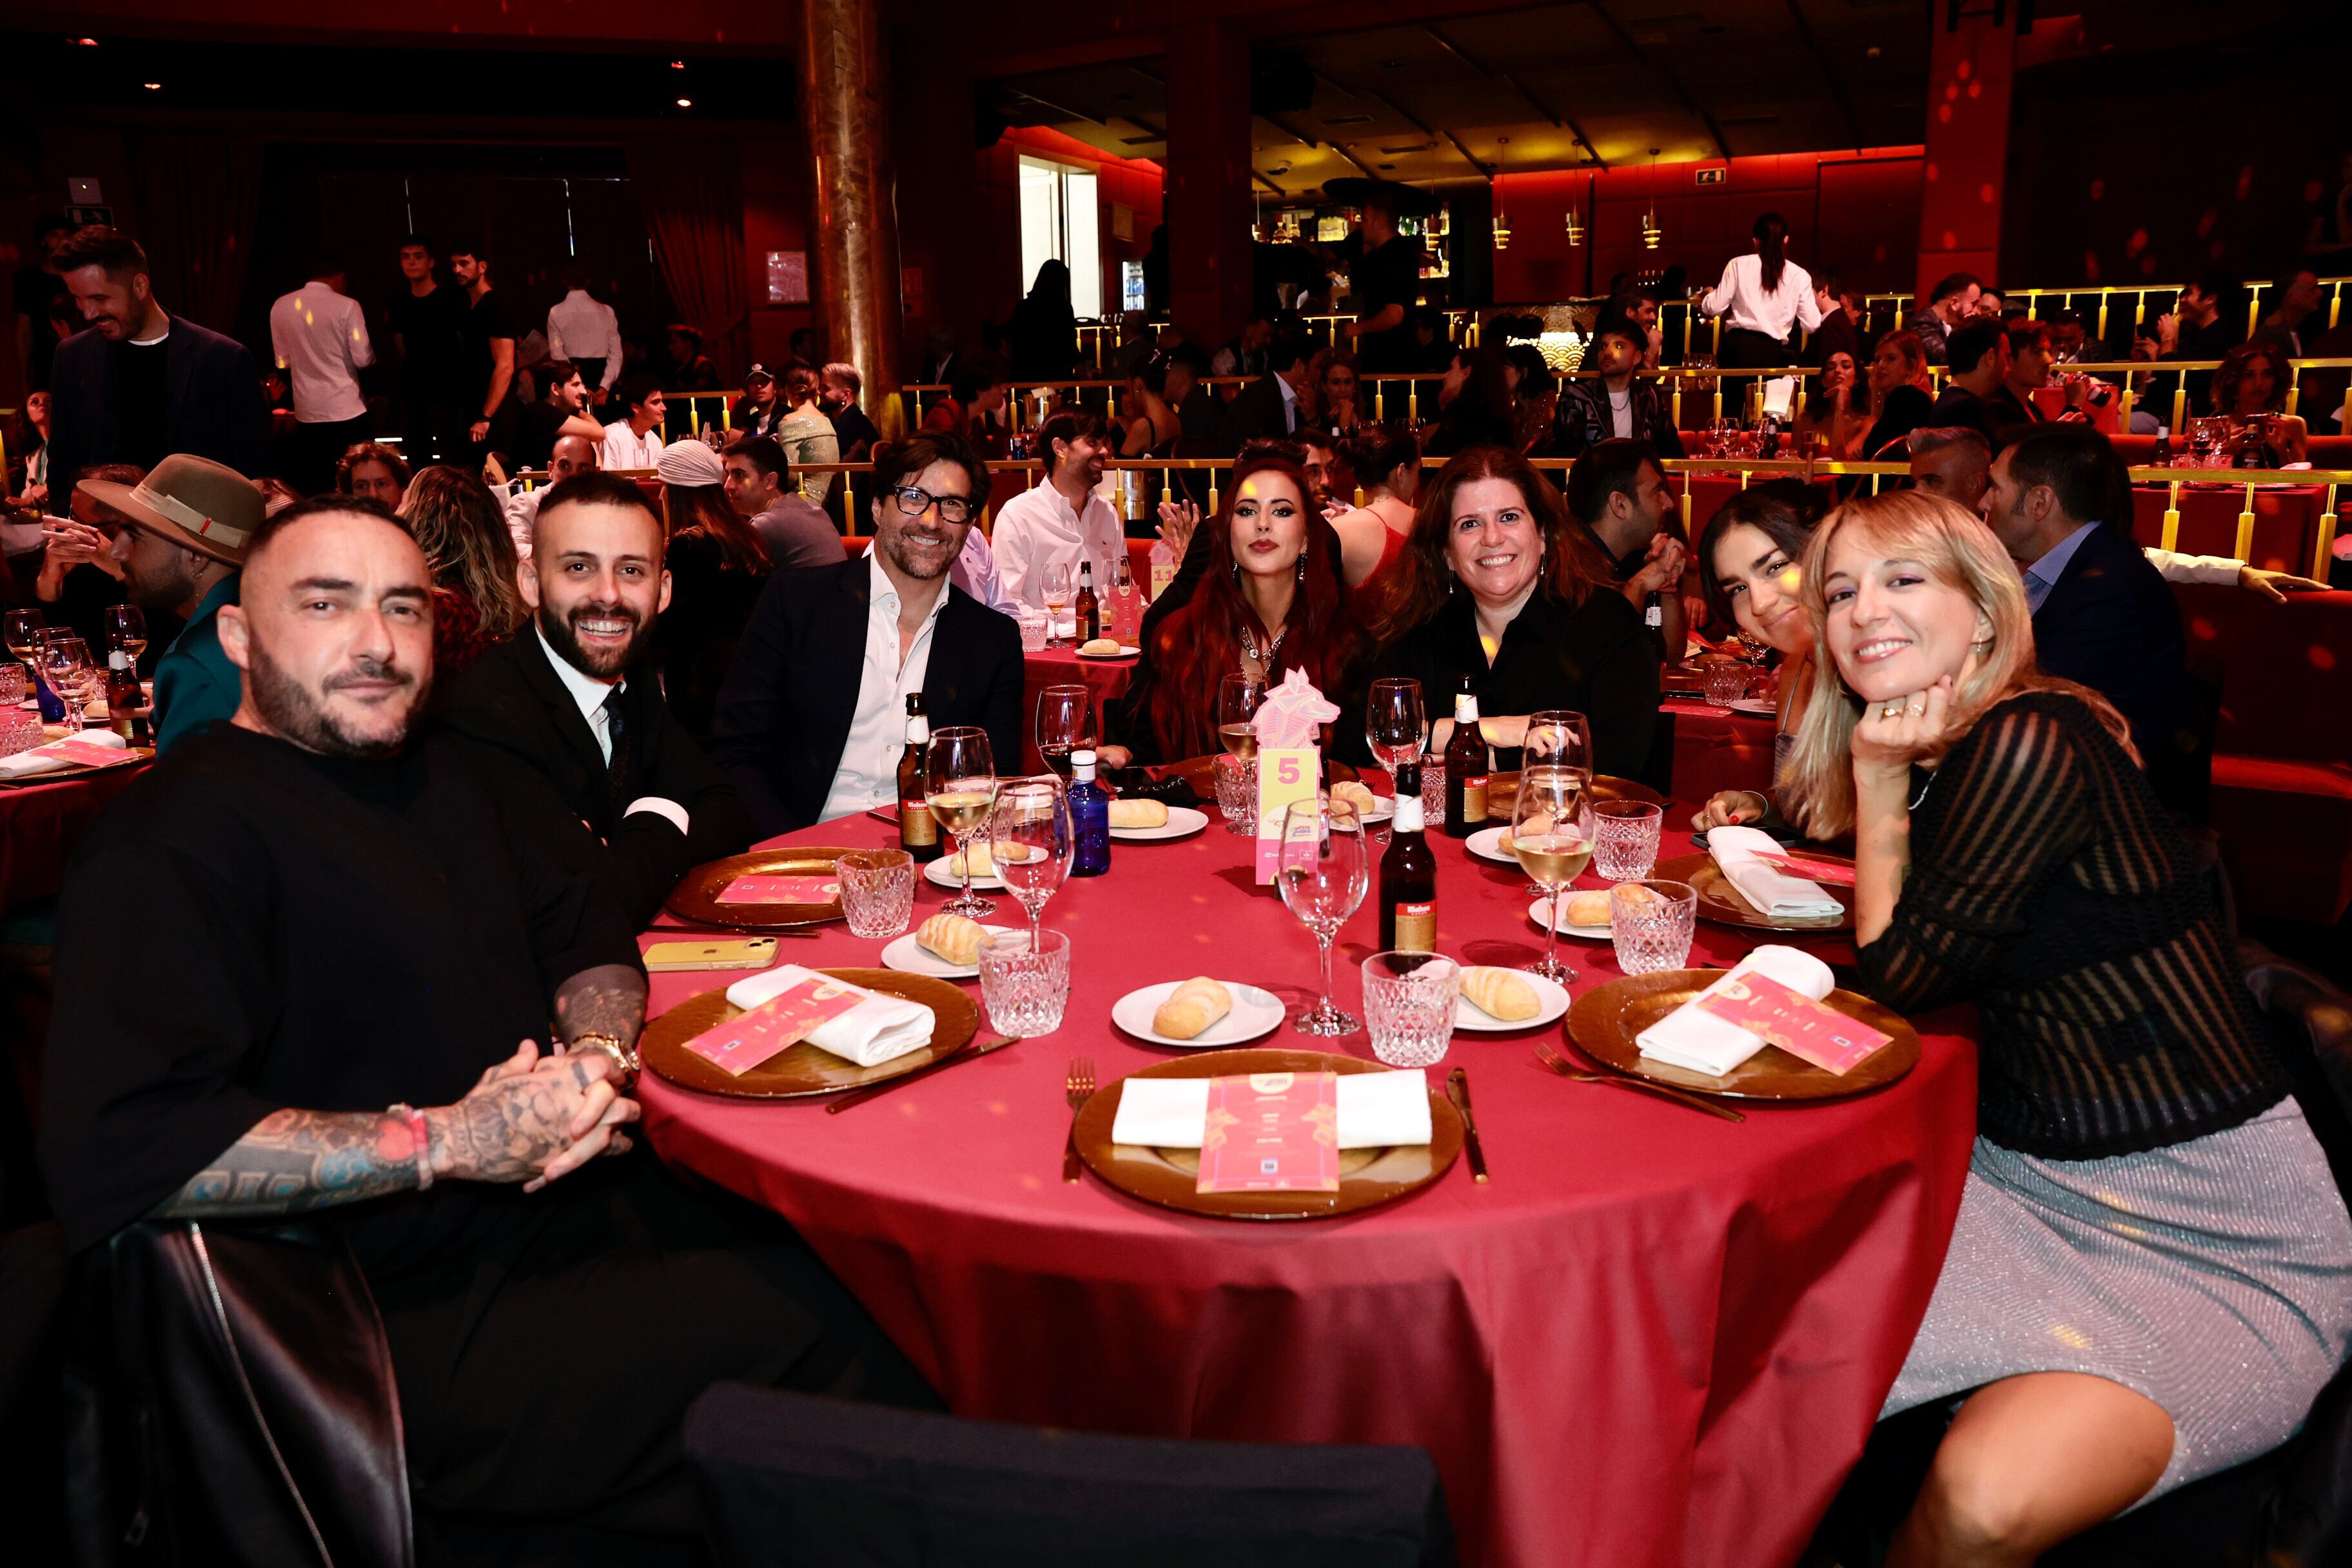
959,788
1395,726
1323,871
126,628
22,630
65,661
1058,599
1065,723
1030,838
1560,737
1238,697
1551,834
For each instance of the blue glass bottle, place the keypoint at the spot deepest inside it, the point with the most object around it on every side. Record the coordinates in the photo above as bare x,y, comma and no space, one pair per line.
1089,818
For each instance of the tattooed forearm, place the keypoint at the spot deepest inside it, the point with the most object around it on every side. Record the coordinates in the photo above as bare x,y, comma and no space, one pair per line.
295,1160
609,999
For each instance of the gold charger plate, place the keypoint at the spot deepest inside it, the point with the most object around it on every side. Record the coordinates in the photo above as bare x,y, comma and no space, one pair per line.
1721,902
72,770
1607,1021
696,897
803,1069
1368,1177
1503,793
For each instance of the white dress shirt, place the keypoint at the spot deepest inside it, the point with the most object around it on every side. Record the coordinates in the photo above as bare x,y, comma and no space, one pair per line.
975,572
625,448
590,694
868,775
320,339
1741,297
521,507
1039,528
580,327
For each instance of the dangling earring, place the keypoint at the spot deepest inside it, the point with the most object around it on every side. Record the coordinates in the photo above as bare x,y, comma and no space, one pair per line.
1302,566
1237,573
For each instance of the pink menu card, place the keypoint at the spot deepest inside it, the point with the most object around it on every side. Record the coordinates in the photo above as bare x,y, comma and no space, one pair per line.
778,1024
781,891
1272,1131
1793,1021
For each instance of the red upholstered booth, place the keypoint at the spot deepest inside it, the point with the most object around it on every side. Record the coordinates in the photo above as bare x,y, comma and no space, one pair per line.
2283,756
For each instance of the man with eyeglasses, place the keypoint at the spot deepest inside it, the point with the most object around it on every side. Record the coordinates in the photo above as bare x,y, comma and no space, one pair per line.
813,718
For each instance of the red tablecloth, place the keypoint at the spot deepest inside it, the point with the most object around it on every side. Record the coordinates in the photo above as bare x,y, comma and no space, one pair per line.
1107,678
1718,750
39,825
2286,523
1655,1338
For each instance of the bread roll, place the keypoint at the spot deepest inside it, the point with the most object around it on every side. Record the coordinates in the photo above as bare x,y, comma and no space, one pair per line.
1358,796
1100,646
954,938
1192,1008
1500,994
1587,909
1139,814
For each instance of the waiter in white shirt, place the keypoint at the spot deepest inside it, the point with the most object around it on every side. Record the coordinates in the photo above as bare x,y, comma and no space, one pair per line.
1762,295
1061,522
584,330
318,336
635,443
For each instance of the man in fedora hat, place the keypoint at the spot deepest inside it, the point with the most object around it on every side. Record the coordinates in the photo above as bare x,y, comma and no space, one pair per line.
182,546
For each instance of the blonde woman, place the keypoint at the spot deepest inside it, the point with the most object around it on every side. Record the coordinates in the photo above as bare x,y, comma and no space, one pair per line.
2151,1273
464,535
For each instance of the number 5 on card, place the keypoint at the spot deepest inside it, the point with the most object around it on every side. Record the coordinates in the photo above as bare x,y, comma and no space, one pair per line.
1285,774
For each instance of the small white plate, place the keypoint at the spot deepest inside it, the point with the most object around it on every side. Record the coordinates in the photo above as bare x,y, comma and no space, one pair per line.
938,875
1540,912
1487,845
1181,820
1125,650
1763,706
1469,1014
1254,1013
913,958
1383,808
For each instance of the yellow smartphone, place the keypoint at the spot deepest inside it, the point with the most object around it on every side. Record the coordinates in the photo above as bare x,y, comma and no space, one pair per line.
742,953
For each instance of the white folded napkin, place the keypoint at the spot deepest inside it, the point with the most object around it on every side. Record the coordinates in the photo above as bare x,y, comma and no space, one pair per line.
1376,1111
1691,1036
45,759
869,1034
1775,892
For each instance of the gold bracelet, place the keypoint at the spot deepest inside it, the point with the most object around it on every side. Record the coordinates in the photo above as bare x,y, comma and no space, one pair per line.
623,1056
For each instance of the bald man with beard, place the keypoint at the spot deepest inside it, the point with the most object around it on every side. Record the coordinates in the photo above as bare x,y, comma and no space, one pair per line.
570,455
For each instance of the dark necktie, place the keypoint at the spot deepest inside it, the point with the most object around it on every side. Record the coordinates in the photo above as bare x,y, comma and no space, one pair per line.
623,760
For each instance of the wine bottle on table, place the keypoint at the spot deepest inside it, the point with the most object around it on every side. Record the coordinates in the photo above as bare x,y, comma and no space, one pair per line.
1408,874
918,830
1653,615
125,704
1465,769
1088,608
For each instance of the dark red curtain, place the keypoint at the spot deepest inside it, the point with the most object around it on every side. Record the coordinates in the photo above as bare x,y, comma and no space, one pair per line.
198,196
692,198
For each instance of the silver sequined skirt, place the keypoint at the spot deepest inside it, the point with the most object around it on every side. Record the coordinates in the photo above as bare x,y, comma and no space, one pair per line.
2214,1277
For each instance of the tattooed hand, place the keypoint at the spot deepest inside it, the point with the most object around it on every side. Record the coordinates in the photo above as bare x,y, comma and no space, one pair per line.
532,1119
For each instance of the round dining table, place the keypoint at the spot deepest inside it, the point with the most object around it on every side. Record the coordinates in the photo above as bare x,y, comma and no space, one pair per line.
1653,1337
39,824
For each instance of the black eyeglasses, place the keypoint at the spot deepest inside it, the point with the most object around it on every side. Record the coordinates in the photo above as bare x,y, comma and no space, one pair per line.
914,502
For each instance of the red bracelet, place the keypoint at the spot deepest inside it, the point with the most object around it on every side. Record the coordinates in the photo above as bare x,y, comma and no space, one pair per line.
420,1141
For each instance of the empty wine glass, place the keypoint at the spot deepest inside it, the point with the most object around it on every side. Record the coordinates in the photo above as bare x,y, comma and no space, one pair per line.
65,663
1323,871
1551,834
126,629
960,789
1238,696
1065,723
1560,738
1029,838
1395,726
1058,599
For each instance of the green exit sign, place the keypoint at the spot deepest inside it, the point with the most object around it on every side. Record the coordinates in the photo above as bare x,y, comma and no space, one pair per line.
1709,176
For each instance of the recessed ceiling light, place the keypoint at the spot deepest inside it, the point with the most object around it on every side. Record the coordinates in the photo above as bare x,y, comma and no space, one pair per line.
83,43
678,65
152,86
686,103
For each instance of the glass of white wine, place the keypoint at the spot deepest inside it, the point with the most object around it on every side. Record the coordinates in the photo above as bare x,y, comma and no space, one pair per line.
959,788
1238,696
1057,600
1552,837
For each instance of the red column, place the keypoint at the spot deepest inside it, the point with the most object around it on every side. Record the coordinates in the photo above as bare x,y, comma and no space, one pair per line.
1208,201
1969,70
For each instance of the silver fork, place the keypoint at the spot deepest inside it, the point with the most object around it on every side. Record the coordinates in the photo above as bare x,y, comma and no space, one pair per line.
1078,1090
1560,1065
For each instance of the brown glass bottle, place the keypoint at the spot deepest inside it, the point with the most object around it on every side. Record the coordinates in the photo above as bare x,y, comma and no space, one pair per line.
1465,769
918,830
1408,874
1088,609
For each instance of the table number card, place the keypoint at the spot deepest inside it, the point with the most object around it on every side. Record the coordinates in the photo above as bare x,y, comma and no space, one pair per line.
1780,1015
776,1025
1274,1131
1284,775
765,889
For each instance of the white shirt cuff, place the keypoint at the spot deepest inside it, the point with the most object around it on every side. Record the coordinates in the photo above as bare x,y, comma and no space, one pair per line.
670,809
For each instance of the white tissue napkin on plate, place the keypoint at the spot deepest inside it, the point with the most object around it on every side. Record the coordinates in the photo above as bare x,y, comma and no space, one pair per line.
44,759
1691,1036
1376,1111
1775,892
872,1032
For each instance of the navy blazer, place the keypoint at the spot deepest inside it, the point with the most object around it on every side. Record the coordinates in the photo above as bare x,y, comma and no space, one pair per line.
789,699
2112,624
212,405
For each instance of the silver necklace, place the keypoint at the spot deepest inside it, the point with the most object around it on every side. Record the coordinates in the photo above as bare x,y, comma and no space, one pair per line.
1249,646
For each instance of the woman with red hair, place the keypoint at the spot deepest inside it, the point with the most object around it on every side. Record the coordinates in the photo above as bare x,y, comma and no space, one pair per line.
1268,605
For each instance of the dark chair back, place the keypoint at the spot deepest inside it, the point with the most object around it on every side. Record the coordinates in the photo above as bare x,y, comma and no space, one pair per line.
230,1398
788,1480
